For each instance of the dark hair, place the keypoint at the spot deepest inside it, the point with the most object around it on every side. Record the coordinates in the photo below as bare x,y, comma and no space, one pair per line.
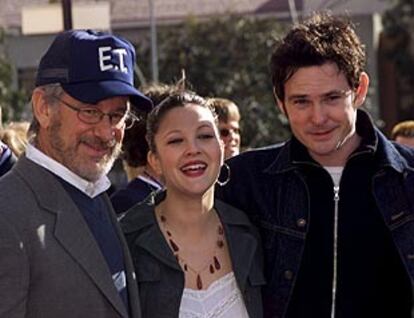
225,109
403,129
179,99
319,40
135,147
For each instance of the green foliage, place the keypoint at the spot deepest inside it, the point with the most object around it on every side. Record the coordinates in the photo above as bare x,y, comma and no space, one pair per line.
399,49
225,57
398,25
12,101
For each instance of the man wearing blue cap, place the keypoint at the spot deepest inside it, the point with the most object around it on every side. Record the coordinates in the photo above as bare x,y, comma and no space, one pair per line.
62,254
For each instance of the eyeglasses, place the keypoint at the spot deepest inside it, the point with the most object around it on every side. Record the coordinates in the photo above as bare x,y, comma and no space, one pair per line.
225,132
89,115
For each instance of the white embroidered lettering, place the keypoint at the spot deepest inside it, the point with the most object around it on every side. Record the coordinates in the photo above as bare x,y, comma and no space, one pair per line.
121,53
103,58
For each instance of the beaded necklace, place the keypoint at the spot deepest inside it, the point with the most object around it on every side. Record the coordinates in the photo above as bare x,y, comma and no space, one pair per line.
213,264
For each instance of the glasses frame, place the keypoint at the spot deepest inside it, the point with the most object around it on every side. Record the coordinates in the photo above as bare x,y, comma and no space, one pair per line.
225,132
128,118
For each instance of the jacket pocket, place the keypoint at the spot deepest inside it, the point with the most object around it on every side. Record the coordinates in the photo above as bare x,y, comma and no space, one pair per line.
252,294
159,295
148,277
256,278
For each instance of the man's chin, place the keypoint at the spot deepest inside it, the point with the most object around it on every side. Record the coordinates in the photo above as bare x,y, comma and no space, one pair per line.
91,176
95,171
94,168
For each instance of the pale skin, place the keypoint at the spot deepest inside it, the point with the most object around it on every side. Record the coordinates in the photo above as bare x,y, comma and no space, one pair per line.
407,141
321,108
88,150
134,172
232,141
189,155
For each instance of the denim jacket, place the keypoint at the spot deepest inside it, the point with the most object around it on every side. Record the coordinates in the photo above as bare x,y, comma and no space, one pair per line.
160,277
268,184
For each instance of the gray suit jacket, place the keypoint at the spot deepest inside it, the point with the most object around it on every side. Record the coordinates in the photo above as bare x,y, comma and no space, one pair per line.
50,264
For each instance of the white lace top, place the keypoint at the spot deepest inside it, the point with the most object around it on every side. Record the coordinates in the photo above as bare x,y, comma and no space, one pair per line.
222,299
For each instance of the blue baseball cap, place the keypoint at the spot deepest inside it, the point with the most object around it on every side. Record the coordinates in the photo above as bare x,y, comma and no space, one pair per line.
92,66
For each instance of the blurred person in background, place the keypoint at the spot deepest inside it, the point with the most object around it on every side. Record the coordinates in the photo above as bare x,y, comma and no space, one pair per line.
14,134
142,180
7,158
403,133
229,125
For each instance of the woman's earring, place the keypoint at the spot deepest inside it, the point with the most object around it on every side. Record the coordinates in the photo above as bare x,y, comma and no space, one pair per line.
223,183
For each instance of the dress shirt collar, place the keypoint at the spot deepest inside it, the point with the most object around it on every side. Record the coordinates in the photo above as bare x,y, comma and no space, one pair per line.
91,189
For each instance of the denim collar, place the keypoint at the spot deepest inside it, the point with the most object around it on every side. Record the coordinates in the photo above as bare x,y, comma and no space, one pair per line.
373,143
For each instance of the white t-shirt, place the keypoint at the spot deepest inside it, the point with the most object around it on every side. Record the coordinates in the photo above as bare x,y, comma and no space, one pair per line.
222,299
336,173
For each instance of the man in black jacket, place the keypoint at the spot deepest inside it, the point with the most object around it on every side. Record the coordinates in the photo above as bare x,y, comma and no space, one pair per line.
335,203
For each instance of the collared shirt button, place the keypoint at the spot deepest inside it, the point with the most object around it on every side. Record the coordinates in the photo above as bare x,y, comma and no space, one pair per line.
301,222
288,274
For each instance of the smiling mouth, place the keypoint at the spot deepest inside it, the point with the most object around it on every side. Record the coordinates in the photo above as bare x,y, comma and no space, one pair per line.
194,170
321,133
98,150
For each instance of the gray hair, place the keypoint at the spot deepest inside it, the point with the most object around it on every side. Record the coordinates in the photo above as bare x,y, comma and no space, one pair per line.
49,91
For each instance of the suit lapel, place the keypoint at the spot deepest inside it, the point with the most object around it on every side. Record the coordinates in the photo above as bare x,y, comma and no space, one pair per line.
132,285
71,230
242,244
151,239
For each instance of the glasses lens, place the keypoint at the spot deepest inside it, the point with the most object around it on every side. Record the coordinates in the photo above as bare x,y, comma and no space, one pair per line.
224,132
117,118
90,115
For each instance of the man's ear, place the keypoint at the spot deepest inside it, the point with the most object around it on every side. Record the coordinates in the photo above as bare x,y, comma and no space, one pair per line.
279,103
154,163
362,90
41,109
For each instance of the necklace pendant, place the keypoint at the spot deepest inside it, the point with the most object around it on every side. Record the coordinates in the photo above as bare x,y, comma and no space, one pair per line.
199,282
174,246
217,265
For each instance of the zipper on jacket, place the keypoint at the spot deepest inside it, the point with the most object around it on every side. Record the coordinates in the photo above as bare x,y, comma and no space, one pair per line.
335,251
